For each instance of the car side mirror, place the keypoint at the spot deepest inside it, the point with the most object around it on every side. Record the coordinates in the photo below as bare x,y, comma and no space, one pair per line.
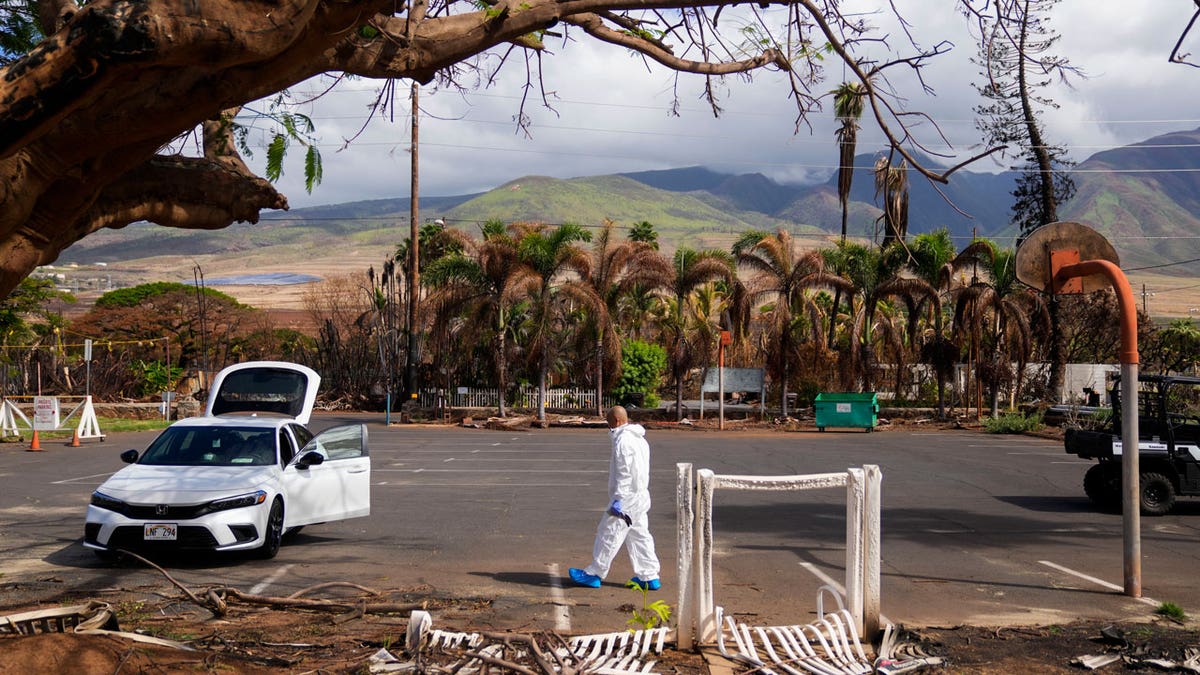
129,456
310,458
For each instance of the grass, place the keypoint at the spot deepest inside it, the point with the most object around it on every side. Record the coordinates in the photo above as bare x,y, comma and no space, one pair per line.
1171,611
1013,423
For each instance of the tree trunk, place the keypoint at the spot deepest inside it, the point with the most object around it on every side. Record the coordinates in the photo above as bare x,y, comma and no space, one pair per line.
678,395
541,402
1057,355
600,377
941,395
502,372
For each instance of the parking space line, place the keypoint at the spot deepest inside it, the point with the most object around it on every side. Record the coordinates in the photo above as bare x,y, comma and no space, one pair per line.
427,484
562,613
475,458
263,585
67,481
996,445
812,569
487,471
1099,582
459,451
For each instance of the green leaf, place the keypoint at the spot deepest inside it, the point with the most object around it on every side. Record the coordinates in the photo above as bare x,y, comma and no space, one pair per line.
275,153
288,120
312,168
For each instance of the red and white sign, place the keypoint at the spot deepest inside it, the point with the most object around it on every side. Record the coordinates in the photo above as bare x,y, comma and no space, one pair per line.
45,413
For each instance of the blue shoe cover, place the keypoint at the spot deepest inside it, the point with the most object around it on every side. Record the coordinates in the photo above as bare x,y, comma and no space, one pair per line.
651,585
583,578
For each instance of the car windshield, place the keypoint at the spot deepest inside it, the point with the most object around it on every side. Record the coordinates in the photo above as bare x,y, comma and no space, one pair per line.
209,446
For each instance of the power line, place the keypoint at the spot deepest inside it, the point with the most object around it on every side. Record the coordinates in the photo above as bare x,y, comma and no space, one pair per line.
1171,264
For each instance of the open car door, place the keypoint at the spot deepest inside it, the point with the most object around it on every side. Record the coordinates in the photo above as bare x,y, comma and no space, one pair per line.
330,478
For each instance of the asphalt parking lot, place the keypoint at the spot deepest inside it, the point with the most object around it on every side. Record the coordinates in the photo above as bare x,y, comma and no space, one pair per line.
982,529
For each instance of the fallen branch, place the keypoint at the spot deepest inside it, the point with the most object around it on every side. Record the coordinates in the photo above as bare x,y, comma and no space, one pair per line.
333,584
217,607
328,605
216,598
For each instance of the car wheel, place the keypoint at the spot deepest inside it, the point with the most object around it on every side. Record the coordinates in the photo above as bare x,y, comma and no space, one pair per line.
1158,495
1102,485
273,537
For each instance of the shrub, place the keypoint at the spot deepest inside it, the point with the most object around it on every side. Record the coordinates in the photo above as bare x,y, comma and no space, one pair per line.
1014,423
642,366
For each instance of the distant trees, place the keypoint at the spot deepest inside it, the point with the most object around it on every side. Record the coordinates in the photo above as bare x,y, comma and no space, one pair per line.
691,270
541,305
785,275
169,310
145,336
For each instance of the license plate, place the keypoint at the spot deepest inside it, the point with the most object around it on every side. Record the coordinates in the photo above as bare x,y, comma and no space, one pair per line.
161,532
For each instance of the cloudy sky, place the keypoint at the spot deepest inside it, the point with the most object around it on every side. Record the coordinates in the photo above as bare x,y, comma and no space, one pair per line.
612,112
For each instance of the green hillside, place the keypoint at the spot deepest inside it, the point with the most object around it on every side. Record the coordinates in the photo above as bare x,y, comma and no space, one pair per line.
1145,197
589,201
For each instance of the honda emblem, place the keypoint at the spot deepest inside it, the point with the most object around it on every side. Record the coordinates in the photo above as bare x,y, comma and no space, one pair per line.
161,509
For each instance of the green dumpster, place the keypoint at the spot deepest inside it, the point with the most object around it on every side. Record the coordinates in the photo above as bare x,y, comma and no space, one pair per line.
836,409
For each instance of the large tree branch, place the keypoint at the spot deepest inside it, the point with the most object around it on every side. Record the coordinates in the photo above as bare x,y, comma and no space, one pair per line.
110,38
189,192
394,53
593,25
184,192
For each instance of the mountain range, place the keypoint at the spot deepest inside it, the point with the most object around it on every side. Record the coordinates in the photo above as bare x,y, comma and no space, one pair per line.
1144,197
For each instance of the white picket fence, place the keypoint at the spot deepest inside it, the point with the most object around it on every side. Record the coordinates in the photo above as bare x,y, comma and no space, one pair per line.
468,397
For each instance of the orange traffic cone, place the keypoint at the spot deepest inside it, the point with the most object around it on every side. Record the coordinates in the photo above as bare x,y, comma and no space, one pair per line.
75,440
36,445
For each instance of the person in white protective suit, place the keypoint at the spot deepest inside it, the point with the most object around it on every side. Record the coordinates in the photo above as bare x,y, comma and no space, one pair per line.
626,519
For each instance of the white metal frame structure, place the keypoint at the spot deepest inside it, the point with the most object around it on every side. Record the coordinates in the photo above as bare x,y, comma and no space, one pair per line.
12,418
696,612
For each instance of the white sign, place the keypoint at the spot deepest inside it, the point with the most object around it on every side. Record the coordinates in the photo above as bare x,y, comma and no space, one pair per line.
843,408
45,413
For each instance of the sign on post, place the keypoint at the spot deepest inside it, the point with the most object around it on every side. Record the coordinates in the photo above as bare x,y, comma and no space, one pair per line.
168,397
45,413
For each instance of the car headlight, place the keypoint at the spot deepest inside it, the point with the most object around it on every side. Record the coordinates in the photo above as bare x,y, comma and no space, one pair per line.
238,502
103,501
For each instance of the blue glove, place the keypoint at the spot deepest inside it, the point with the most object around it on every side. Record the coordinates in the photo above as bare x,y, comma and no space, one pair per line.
614,510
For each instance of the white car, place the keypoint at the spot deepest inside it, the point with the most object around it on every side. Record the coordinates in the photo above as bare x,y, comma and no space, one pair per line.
240,477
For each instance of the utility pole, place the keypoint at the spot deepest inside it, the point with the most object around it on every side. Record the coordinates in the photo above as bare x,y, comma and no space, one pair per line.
202,312
414,278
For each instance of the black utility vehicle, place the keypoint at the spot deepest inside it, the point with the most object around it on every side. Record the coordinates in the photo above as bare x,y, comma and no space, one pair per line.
1168,445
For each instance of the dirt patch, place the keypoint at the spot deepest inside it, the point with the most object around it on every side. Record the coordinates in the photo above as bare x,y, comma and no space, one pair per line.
256,639
264,639
1050,650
